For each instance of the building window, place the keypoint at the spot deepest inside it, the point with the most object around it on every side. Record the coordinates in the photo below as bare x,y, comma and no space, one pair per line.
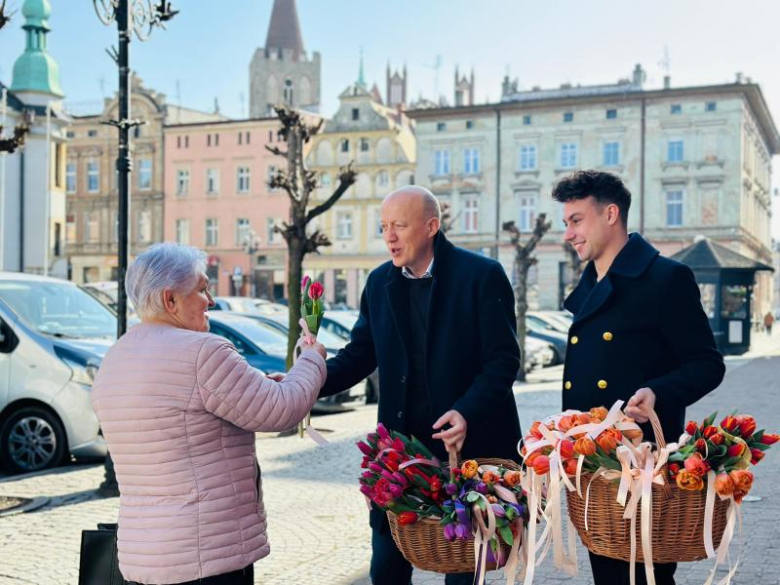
288,92
212,232
325,180
93,177
471,161
344,226
383,178
178,142
441,127
70,134
356,113
145,226
91,227
242,231
527,212
611,114
364,145
273,237
182,182
470,215
212,181
568,117
240,138
270,174
711,106
92,133
137,131
243,179
70,177
469,124
527,158
378,224
145,174
674,208
676,109
568,155
183,232
526,120
248,137
674,151
208,139
441,162
344,144
611,154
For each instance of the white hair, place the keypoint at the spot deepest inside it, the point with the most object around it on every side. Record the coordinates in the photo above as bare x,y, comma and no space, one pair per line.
165,266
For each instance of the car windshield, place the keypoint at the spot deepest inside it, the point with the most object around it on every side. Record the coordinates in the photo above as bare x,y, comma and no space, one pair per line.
264,336
58,309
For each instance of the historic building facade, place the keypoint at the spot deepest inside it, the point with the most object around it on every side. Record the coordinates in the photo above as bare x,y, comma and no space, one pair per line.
380,140
696,159
281,72
218,199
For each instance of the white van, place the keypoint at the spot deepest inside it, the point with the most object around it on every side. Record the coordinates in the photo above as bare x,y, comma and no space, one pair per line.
53,336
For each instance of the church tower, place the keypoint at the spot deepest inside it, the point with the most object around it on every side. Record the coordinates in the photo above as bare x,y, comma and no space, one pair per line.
396,88
281,72
464,89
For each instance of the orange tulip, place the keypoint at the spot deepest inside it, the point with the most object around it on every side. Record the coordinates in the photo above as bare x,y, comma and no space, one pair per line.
599,413
747,426
742,478
570,466
607,442
534,432
541,465
567,449
566,422
529,459
631,434
585,446
696,465
512,478
490,477
724,485
582,418
469,469
689,481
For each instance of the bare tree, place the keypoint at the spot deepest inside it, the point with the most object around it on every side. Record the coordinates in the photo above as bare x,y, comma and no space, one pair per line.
447,219
299,183
524,259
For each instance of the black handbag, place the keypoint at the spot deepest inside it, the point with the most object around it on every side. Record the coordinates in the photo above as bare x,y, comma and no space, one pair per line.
99,564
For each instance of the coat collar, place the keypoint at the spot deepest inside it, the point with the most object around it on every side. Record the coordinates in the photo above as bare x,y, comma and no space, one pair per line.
442,250
632,261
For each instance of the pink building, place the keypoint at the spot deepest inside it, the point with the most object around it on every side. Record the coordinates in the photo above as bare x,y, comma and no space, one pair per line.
217,199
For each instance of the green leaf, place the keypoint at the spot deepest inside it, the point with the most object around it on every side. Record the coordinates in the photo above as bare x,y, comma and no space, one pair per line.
472,497
710,419
506,535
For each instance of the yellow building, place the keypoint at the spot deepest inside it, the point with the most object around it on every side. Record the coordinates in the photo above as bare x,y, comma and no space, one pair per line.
381,142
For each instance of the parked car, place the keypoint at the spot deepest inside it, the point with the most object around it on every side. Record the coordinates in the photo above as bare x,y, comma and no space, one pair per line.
547,322
53,337
559,341
106,293
331,342
263,346
247,305
538,353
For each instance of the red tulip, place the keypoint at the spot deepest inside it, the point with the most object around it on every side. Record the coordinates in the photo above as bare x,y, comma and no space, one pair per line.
541,465
306,280
709,432
756,456
405,518
701,446
691,428
736,450
769,439
717,439
316,290
729,424
567,449
696,465
747,426
570,466
674,469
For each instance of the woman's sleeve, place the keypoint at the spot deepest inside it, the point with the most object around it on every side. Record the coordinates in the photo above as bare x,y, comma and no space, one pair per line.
235,391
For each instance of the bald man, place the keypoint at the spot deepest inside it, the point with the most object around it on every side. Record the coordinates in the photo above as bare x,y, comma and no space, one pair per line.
439,322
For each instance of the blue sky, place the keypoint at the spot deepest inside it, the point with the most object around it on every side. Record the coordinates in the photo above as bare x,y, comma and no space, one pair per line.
208,46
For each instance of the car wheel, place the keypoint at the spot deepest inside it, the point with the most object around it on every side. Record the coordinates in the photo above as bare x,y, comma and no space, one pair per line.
32,439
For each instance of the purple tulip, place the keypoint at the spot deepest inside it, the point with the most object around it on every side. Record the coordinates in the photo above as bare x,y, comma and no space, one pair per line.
451,489
519,508
463,516
498,510
400,479
375,467
306,280
365,449
387,475
462,532
396,490
449,532
366,490
367,475
491,557
482,487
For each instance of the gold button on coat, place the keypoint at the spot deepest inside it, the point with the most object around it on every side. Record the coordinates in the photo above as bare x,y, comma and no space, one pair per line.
607,336
602,384
575,340
567,385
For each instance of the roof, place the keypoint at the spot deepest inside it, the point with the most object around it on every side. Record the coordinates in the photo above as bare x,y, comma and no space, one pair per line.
284,31
708,254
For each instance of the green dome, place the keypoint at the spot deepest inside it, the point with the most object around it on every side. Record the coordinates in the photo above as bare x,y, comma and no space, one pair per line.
37,12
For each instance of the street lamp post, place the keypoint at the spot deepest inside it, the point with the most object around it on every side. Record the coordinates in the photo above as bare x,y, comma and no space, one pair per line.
133,17
251,246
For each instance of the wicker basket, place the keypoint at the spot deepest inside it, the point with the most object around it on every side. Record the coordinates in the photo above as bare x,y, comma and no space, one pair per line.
678,519
424,546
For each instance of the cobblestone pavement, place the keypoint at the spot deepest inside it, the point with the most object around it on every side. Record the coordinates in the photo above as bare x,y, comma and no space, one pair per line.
318,524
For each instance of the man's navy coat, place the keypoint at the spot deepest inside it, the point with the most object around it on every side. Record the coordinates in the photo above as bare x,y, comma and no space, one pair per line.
642,325
472,356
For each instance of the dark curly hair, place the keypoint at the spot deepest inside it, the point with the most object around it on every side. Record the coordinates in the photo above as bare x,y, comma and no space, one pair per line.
605,188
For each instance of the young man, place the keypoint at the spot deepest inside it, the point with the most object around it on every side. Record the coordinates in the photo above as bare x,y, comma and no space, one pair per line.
439,321
639,332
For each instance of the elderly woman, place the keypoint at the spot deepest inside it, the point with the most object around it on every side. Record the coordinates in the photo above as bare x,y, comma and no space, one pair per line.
179,408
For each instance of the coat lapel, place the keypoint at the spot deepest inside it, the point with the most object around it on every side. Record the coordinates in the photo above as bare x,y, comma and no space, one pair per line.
598,296
398,299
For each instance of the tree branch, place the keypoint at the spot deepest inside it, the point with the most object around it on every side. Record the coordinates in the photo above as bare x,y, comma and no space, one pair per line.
346,180
275,150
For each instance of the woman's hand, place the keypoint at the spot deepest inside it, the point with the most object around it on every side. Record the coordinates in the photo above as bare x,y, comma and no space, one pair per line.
316,345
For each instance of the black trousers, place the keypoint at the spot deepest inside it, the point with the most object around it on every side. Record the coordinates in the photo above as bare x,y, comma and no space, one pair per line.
245,576
388,565
608,571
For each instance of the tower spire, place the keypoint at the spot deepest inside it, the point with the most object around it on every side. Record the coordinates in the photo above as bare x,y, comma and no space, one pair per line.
35,70
284,30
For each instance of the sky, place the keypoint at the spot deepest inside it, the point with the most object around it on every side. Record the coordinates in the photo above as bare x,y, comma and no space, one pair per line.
205,51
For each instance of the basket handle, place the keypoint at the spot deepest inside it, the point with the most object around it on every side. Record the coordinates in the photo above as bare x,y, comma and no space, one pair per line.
454,457
657,430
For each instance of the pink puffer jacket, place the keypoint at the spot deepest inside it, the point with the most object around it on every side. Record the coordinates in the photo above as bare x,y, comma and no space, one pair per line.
178,410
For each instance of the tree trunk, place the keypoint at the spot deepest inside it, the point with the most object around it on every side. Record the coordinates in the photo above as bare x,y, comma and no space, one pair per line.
521,308
295,275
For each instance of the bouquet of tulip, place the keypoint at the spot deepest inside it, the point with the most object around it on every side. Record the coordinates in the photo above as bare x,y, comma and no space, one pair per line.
311,305
727,449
